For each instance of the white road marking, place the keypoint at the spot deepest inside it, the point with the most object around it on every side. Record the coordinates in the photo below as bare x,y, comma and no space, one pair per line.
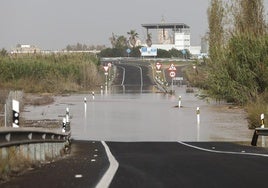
78,176
224,152
109,174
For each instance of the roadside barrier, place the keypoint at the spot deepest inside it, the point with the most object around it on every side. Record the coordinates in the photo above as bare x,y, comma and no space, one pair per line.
262,131
33,143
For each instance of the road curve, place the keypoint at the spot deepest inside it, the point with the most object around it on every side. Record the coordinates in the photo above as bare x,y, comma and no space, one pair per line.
133,74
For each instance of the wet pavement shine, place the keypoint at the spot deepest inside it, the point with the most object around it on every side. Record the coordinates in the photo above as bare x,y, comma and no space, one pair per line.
143,116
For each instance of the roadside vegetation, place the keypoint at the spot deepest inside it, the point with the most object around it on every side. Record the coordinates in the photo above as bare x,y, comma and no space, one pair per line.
56,73
237,70
121,44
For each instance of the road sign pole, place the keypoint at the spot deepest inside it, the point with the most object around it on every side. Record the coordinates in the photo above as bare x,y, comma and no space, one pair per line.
172,85
106,84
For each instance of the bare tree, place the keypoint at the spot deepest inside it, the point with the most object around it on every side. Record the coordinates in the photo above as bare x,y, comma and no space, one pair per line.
113,40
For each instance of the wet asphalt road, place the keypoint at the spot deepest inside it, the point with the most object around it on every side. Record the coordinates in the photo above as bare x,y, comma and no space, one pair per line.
168,165
153,164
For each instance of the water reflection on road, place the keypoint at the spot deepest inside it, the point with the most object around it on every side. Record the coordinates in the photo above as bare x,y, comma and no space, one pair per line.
143,116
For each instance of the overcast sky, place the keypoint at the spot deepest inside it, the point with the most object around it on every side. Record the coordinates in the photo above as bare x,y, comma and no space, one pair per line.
52,24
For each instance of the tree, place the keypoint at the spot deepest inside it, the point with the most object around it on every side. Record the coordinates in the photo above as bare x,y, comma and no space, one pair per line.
249,17
238,68
121,42
132,38
216,31
3,52
113,40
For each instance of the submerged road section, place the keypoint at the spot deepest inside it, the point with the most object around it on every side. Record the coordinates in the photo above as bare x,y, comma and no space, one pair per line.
143,148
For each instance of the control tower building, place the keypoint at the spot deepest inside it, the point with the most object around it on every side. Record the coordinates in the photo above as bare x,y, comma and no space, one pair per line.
170,35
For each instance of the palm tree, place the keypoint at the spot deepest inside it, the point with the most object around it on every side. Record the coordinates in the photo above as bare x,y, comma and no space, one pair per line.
132,38
149,40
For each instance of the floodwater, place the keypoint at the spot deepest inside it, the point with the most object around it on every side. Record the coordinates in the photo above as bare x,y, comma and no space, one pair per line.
124,115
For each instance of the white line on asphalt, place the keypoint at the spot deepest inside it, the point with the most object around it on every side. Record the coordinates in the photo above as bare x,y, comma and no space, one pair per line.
124,74
109,174
224,152
141,75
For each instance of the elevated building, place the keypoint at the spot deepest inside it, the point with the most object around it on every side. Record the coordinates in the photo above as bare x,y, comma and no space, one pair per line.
170,35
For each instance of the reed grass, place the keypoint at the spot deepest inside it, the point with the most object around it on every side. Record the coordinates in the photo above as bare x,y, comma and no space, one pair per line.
49,73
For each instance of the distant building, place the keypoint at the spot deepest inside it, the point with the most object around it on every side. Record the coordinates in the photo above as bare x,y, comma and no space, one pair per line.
204,44
172,35
25,49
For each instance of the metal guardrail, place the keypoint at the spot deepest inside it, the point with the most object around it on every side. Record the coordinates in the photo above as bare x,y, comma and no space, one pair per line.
257,132
19,136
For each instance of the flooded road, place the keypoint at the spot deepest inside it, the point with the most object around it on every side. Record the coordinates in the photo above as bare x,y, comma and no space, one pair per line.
144,116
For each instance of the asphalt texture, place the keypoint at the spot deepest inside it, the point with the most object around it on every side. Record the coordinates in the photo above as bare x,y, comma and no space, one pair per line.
83,168
155,165
133,74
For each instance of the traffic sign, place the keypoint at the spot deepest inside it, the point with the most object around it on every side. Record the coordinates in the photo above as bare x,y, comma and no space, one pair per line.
172,74
172,67
158,66
178,78
106,68
109,64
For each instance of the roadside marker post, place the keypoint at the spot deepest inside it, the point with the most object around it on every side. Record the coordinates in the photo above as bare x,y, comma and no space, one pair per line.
85,106
179,101
67,120
198,115
67,115
93,95
262,126
63,125
262,120
16,113
101,90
